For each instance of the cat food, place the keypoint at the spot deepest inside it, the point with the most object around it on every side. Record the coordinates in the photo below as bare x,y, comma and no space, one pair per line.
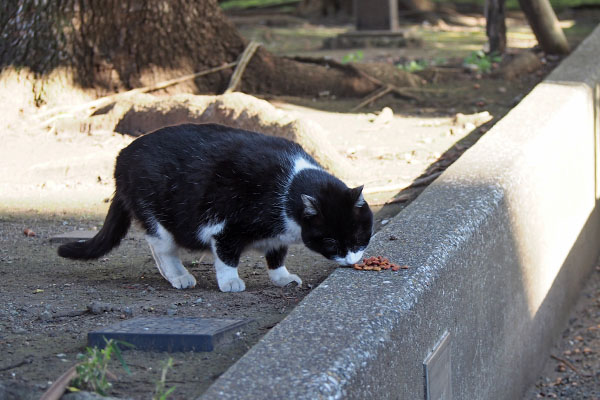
28,232
377,264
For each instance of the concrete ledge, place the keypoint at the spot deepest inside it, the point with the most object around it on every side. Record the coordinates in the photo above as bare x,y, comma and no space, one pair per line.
500,245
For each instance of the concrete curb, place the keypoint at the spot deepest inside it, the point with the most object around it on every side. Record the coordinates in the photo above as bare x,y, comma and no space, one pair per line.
500,245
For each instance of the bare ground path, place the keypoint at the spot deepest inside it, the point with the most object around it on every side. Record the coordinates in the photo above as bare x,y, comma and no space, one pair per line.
57,180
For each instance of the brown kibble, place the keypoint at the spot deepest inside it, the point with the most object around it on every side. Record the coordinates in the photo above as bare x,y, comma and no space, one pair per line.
561,368
396,268
376,263
579,338
476,86
587,350
28,232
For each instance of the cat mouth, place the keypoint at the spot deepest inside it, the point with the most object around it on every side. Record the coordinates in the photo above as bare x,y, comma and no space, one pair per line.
350,258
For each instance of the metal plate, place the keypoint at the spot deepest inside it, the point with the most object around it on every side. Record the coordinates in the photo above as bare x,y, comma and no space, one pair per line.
168,333
438,371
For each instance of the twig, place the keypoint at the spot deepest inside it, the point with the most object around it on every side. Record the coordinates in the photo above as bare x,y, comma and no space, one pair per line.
57,389
399,91
568,364
27,360
243,61
106,100
382,91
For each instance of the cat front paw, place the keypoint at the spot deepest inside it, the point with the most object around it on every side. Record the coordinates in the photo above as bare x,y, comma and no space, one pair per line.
232,285
282,277
184,281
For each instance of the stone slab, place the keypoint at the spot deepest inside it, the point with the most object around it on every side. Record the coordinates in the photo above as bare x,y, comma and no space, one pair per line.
170,334
376,15
500,246
73,236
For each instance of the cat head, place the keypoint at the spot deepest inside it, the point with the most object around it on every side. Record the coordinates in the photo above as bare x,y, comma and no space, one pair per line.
337,223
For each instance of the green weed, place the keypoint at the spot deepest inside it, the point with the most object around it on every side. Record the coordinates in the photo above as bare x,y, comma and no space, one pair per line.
353,57
420,65
413,66
92,371
481,61
160,391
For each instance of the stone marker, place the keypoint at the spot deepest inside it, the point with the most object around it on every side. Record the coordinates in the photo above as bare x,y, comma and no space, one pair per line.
73,236
376,15
168,333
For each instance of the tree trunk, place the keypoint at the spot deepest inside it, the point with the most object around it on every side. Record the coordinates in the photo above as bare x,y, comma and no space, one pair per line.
122,44
545,26
495,25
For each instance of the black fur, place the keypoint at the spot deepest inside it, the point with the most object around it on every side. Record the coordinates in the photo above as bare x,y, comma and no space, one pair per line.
187,176
115,228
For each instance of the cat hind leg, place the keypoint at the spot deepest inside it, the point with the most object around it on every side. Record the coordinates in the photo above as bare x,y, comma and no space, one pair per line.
278,273
166,255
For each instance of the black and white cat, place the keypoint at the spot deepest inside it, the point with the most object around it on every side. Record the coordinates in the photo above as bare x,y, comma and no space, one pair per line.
227,190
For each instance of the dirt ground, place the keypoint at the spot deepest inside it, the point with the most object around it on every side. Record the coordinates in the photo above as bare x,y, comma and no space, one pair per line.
58,181
573,369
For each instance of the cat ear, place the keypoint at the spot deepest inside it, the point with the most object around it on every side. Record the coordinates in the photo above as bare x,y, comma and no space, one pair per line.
357,195
310,205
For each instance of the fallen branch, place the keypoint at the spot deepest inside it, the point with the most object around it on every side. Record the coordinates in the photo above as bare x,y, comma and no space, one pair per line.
242,63
377,94
106,100
57,389
357,72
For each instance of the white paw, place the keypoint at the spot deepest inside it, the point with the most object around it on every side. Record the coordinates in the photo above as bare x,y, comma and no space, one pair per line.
184,281
232,285
282,277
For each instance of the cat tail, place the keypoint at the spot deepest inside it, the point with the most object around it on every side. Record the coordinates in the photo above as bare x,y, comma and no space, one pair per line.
115,228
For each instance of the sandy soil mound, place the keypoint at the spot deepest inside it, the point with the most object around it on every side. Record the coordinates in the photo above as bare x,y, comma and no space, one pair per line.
144,113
